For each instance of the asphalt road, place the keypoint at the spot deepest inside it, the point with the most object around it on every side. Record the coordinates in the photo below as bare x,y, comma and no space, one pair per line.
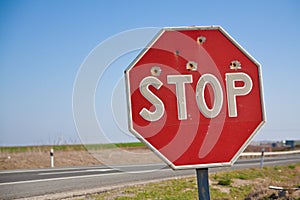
62,182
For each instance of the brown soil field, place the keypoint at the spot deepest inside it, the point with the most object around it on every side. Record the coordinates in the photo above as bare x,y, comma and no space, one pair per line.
63,158
39,157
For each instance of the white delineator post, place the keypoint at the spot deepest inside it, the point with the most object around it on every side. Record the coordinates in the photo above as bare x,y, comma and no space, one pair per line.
262,157
51,158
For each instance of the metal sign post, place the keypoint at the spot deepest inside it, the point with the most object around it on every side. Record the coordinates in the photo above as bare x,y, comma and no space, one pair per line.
203,184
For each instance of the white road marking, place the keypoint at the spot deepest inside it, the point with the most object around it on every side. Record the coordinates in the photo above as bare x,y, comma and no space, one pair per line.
99,170
75,177
56,179
75,168
45,170
77,171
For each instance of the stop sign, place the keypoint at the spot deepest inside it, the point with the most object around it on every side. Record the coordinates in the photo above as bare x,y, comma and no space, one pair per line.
195,97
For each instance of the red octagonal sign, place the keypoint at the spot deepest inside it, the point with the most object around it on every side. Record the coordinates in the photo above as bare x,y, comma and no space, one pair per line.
195,97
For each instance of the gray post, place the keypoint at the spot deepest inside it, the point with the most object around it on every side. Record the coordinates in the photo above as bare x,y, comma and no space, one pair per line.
262,157
203,185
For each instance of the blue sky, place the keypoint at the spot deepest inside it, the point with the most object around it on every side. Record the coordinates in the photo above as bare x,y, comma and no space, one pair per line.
44,43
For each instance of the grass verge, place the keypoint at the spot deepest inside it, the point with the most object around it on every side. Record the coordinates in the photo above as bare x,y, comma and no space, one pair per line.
238,184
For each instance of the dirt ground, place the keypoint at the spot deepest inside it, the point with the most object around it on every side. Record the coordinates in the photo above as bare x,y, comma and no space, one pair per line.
41,159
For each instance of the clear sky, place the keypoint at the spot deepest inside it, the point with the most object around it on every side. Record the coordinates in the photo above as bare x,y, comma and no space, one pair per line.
44,43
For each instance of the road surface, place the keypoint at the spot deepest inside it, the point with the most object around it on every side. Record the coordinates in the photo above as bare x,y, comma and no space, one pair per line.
63,182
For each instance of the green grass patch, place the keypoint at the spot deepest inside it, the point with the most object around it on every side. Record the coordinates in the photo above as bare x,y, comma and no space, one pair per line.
44,148
225,180
116,145
277,173
77,147
291,166
177,189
